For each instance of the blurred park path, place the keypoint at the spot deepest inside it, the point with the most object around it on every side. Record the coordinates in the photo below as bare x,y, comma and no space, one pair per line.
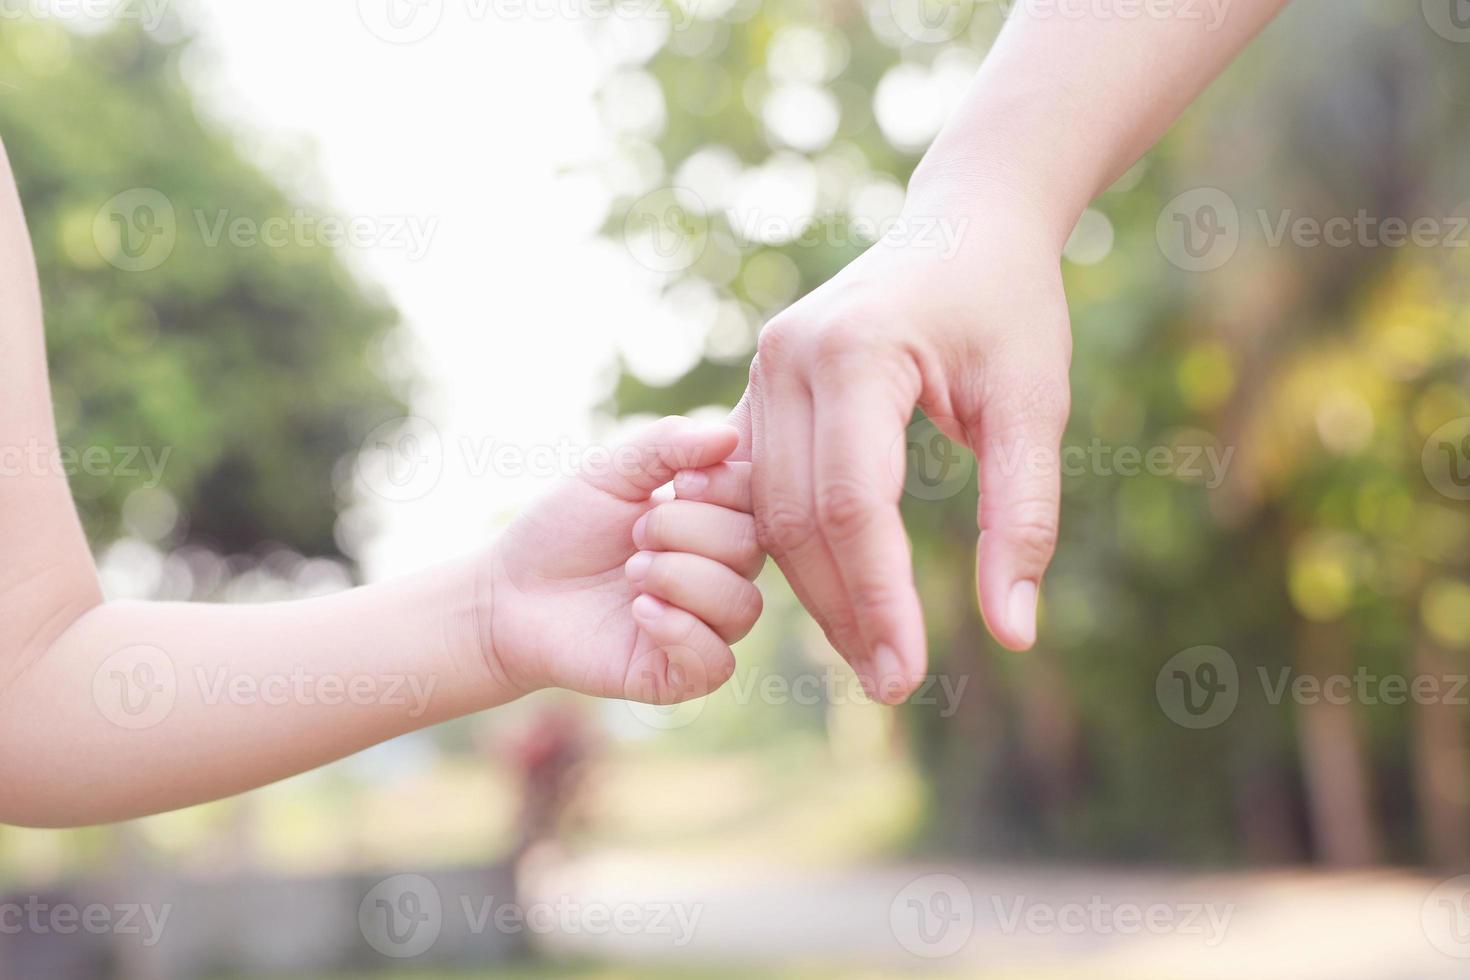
1029,922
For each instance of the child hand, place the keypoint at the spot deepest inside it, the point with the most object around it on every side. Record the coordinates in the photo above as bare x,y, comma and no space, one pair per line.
601,590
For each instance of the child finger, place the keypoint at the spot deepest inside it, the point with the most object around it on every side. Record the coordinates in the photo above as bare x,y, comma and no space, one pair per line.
725,535
720,596
685,659
654,454
726,484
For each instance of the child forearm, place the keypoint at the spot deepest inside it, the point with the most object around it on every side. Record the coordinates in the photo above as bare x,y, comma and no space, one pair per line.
142,707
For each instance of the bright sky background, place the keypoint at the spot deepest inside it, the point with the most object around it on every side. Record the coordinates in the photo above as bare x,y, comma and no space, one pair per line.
519,310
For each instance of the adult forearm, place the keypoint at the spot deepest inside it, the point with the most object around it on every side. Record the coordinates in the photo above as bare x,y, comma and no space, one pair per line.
1075,91
142,707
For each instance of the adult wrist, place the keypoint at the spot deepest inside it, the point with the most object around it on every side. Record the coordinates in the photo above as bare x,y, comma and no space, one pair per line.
986,197
1011,144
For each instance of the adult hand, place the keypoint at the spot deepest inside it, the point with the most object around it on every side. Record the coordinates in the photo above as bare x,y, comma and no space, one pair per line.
979,338
975,331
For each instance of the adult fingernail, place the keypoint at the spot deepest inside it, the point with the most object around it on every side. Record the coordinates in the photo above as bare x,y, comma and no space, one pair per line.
690,483
647,608
639,530
1022,610
891,680
637,566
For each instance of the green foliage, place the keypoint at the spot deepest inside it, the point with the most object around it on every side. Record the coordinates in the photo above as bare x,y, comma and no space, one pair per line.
251,368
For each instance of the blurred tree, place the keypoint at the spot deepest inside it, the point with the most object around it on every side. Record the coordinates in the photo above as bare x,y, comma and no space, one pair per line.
243,373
